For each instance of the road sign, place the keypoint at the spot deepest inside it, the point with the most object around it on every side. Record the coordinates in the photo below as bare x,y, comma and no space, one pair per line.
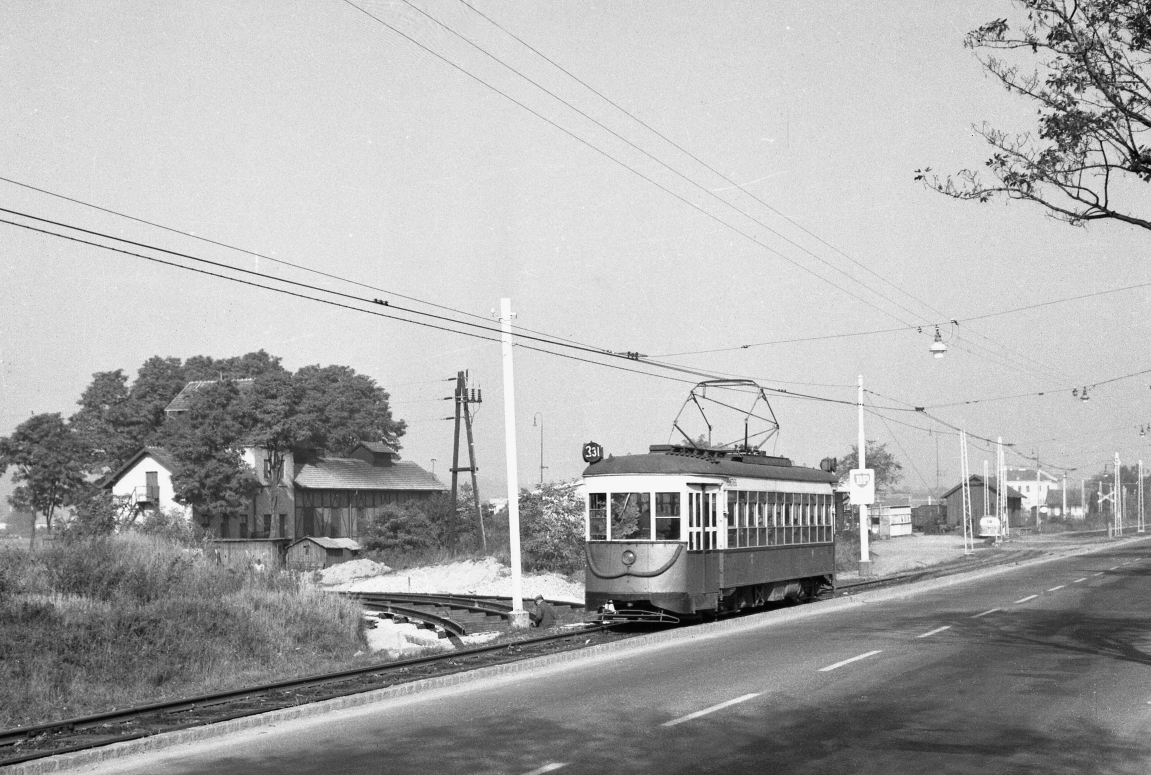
861,486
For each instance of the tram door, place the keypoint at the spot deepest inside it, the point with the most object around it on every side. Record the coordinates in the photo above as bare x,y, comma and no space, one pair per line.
702,519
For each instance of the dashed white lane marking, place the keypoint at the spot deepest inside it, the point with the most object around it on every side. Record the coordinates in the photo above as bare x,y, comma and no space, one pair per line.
546,768
849,661
993,610
1076,581
1114,568
1061,586
705,711
1025,599
937,629
1100,573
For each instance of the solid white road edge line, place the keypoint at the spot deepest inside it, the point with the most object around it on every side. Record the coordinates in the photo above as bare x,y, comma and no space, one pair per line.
546,768
849,661
1025,599
937,629
705,711
993,610
1061,586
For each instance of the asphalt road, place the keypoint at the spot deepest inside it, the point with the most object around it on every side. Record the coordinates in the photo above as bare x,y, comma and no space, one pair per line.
1040,670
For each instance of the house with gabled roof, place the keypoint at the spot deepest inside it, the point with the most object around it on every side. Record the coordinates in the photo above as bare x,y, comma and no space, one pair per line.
183,400
146,481
1017,517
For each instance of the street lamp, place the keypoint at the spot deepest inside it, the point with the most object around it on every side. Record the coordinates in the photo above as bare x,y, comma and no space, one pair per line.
540,417
938,348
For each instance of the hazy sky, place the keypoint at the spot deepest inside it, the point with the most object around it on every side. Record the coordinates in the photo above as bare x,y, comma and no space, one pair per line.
309,132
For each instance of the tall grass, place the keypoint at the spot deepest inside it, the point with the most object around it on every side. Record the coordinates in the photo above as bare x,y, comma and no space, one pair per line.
98,624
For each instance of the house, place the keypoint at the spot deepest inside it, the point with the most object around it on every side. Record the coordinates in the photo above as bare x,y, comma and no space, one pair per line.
317,552
1033,485
890,521
1016,516
146,481
334,495
183,400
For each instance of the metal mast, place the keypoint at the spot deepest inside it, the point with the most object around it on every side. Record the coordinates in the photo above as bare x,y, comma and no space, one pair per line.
965,471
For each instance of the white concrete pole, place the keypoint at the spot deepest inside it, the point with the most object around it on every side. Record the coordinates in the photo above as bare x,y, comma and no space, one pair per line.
519,615
864,522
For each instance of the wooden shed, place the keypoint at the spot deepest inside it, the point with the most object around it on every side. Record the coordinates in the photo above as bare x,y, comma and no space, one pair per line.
316,552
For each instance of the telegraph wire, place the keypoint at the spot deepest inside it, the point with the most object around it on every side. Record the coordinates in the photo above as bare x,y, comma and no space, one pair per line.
631,169
714,171
910,459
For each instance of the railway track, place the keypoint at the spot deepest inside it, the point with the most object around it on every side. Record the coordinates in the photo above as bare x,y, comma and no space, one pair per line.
24,744
454,616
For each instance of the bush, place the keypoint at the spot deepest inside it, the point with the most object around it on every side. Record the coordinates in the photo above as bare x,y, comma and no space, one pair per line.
551,529
87,625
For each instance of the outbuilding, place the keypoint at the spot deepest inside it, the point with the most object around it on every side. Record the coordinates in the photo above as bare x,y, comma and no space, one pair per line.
317,552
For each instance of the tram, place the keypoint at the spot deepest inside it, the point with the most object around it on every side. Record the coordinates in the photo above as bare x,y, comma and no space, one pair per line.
686,531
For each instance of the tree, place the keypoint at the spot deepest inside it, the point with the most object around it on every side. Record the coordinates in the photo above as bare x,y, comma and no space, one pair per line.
48,470
207,443
108,426
888,470
1093,91
552,528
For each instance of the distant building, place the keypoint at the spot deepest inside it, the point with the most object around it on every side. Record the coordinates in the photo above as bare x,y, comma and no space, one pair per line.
954,498
1032,486
146,481
929,519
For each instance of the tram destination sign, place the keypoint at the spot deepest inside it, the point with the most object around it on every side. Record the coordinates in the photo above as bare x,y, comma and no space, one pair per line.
861,486
592,452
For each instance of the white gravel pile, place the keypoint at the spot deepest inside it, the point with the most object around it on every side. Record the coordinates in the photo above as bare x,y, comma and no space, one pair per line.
470,577
353,569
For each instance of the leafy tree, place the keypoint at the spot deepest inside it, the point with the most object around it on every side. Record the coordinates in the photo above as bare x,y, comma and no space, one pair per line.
247,366
552,529
206,442
98,513
157,382
1092,87
341,408
888,470
108,426
48,469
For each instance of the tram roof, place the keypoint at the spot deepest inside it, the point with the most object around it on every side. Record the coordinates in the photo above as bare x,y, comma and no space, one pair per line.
685,460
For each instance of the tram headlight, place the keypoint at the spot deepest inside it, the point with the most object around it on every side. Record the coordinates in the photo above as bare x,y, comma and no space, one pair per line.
628,557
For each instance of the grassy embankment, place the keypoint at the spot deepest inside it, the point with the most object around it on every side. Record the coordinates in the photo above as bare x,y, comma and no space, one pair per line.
90,626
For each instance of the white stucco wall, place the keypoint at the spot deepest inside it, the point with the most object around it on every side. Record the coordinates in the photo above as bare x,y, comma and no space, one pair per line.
135,480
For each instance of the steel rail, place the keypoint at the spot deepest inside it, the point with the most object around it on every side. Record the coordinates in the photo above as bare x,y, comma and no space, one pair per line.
13,736
450,626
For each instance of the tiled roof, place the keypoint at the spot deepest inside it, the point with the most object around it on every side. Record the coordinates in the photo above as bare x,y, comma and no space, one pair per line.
183,399
338,473
377,447
332,543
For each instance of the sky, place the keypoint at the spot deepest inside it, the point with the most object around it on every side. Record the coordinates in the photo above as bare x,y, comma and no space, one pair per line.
334,136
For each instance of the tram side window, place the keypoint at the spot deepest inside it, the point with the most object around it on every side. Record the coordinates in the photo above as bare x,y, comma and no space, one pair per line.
667,516
732,518
630,516
597,516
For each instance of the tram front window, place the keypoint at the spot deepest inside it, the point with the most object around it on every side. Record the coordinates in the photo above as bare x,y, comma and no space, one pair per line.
667,516
630,516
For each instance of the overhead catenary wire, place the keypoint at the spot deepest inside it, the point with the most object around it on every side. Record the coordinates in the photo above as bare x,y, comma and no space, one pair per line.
707,166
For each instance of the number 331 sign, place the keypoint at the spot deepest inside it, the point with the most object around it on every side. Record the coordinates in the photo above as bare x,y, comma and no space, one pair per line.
592,452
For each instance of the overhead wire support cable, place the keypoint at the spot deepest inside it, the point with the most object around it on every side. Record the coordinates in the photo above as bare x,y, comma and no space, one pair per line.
631,169
711,169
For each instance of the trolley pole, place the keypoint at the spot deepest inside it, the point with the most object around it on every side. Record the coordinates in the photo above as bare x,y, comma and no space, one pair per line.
864,522
519,617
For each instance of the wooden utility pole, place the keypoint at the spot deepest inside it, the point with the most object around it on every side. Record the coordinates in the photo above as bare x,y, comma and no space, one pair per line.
463,397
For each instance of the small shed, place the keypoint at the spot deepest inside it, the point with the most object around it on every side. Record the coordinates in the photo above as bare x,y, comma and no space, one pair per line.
954,499
928,519
317,552
890,521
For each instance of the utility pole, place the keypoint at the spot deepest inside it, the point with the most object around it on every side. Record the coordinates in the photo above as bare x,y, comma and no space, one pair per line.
463,396
540,415
864,522
1001,490
1064,512
1037,504
519,617
1118,497
965,472
1142,523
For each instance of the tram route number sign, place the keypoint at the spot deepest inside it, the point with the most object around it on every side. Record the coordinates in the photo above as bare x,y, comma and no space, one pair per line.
592,452
861,486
